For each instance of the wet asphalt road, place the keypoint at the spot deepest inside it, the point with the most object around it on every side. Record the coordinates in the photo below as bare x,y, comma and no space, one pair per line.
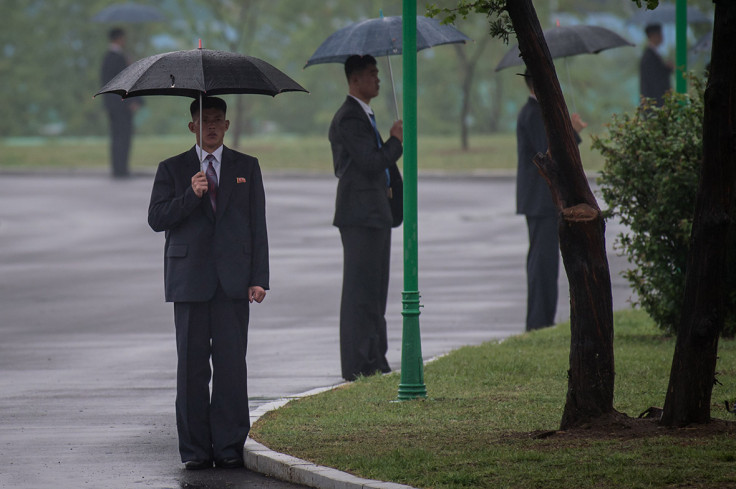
87,353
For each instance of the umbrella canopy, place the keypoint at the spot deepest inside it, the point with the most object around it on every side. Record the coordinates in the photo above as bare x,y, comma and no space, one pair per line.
382,37
704,44
200,72
128,12
570,41
665,13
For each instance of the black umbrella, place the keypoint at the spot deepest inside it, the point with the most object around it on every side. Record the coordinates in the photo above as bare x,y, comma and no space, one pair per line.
704,44
128,12
382,37
197,73
570,41
665,13
200,71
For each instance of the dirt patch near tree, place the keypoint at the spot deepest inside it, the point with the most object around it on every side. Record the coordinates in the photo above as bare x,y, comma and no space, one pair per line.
622,427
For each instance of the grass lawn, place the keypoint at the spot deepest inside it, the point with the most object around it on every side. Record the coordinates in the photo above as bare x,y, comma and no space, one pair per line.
276,153
488,417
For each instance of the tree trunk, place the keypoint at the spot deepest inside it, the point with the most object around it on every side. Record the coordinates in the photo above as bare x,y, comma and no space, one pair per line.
467,67
582,234
247,17
692,375
241,123
495,115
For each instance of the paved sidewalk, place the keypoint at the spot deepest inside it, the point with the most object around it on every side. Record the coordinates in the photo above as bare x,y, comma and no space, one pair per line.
87,353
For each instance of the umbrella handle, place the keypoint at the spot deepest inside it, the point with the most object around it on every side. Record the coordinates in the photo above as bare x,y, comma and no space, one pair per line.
200,122
391,74
393,87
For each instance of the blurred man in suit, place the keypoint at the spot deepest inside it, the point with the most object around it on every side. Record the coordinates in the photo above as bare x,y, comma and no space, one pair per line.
534,200
119,112
366,168
654,72
215,264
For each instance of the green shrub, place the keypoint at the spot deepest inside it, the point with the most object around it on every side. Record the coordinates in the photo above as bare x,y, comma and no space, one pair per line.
649,181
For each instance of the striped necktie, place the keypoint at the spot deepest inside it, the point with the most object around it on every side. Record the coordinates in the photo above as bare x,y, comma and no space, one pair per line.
211,182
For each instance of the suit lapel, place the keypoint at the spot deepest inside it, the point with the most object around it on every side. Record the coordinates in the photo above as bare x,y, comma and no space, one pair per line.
358,109
227,179
193,165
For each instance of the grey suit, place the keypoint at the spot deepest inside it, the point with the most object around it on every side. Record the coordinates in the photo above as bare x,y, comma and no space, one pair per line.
363,215
210,262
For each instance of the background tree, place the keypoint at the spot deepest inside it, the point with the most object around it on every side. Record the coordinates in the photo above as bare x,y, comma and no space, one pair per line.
38,58
50,54
468,64
468,58
237,22
582,228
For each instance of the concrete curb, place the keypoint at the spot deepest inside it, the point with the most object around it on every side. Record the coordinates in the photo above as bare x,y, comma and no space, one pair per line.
261,459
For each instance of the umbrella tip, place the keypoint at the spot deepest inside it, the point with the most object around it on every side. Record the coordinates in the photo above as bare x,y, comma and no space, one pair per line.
200,44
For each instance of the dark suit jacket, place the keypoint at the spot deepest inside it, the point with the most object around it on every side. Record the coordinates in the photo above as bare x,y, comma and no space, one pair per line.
202,248
362,199
113,63
654,75
533,197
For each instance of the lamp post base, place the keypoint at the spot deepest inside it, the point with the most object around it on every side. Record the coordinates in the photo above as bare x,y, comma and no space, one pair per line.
412,366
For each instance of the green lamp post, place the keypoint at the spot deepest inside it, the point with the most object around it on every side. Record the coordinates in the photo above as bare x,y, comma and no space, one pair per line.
412,369
680,46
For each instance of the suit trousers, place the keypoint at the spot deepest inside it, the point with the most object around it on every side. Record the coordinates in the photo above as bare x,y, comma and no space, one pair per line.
216,425
121,135
542,271
363,336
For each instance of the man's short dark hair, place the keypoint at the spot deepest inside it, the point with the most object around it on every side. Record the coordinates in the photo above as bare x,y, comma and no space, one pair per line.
207,103
115,34
357,63
653,29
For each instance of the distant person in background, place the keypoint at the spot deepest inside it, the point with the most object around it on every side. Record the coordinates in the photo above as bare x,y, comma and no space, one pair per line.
119,112
534,200
654,72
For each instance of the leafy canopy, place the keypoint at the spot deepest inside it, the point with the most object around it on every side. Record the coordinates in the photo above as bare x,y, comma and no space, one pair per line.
499,22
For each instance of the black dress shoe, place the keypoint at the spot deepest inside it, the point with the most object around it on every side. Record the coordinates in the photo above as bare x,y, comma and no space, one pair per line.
230,463
198,464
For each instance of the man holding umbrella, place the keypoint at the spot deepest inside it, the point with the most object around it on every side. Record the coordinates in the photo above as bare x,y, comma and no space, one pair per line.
534,200
210,203
366,168
119,112
216,263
